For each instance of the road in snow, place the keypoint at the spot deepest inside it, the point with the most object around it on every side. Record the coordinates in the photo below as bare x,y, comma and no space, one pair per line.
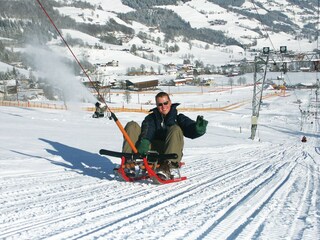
55,185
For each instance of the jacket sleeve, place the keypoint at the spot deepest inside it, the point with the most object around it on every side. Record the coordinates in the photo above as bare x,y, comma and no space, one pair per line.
188,126
148,128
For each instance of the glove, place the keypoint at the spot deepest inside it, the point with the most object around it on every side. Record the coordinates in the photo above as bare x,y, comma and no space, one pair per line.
144,146
201,125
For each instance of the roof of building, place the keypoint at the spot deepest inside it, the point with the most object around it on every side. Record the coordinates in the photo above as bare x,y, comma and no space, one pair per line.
138,79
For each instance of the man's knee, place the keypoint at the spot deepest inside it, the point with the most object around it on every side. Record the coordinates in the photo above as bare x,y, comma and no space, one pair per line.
175,135
133,130
132,126
175,142
175,130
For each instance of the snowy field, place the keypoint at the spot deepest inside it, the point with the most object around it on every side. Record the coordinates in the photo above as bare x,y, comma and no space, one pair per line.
55,185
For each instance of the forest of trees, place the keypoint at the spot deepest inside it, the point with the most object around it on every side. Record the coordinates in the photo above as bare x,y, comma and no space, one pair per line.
146,4
173,25
24,20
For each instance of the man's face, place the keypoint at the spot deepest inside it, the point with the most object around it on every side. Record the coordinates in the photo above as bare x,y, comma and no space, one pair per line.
163,105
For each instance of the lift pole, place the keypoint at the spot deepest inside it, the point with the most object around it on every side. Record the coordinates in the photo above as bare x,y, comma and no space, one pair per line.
317,99
260,70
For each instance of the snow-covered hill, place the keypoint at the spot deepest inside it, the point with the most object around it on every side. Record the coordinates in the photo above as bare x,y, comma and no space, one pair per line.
204,14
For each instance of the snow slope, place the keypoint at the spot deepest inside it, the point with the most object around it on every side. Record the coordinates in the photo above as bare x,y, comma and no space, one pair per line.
55,185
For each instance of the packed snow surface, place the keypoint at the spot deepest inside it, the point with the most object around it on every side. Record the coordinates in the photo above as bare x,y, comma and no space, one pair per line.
55,185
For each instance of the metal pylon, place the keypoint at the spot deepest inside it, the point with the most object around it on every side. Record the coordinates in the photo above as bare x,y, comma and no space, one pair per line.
260,70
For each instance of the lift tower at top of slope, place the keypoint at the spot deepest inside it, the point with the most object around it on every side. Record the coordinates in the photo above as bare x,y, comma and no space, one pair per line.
259,77
260,70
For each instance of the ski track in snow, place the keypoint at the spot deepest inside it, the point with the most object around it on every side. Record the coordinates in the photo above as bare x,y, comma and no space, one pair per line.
245,198
242,190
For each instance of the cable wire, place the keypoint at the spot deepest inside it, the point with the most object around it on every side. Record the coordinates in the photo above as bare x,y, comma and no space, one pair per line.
110,114
75,57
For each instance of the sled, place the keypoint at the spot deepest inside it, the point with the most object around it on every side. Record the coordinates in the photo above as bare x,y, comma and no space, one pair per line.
134,167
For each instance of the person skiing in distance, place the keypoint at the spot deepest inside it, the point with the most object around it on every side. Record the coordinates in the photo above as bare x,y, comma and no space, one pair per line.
99,112
163,130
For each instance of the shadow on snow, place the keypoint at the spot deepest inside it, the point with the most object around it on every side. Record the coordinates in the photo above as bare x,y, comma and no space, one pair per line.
83,162
80,161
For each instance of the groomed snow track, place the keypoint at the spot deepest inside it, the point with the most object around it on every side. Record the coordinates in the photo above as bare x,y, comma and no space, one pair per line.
226,196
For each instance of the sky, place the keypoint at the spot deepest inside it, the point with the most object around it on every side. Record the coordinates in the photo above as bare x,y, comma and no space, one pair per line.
55,185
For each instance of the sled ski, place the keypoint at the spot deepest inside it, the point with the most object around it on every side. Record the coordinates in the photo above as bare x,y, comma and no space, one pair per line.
135,167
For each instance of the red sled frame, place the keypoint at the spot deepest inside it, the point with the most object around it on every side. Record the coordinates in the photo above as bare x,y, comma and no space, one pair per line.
150,173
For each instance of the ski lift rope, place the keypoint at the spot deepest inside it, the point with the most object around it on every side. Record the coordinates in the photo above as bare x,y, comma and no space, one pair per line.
278,55
267,34
111,115
67,45
281,56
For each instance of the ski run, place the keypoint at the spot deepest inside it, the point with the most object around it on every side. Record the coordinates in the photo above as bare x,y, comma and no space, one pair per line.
55,185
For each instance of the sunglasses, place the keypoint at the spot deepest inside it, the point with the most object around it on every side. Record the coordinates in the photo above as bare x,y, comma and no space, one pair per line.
161,104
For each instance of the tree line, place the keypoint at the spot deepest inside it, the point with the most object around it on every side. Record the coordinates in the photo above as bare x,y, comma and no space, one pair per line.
173,25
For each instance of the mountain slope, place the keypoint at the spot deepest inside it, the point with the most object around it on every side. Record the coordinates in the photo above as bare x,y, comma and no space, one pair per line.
165,23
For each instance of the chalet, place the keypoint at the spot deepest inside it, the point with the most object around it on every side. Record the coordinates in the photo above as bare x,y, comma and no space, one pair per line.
217,22
305,69
183,80
150,50
92,84
207,81
172,72
18,65
306,85
141,82
180,82
9,86
171,69
112,63
233,74
154,29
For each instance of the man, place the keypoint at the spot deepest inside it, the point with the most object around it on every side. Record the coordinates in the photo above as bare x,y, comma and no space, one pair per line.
163,131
